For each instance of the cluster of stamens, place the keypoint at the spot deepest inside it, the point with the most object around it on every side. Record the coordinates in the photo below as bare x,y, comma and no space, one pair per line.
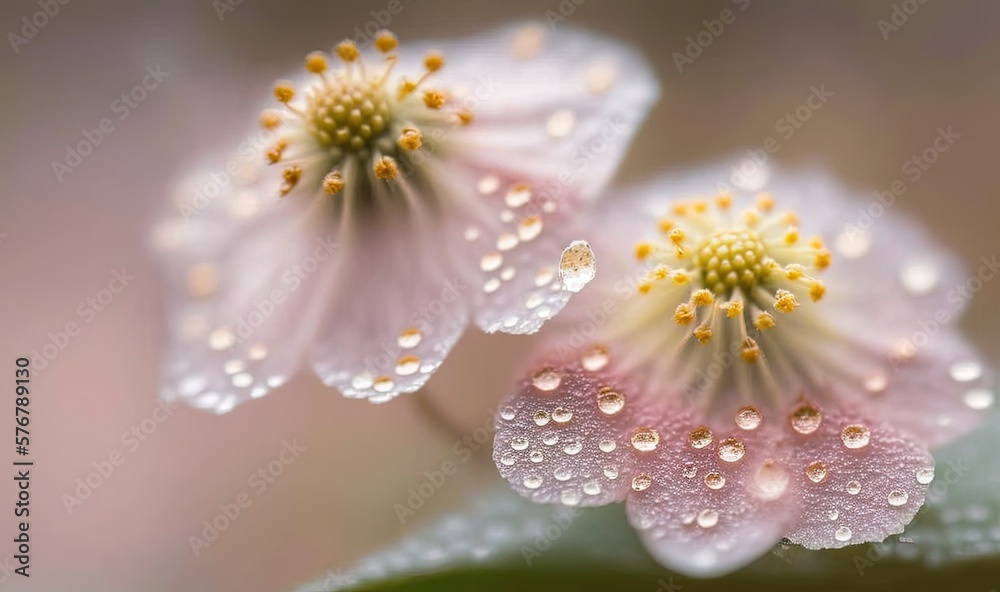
747,266
354,116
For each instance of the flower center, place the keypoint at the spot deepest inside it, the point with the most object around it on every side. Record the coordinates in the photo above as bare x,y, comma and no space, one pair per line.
348,114
730,259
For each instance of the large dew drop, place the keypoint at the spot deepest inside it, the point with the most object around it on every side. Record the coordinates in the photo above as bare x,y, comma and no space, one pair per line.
576,266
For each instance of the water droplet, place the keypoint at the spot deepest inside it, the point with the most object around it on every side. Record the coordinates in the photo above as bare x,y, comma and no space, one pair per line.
576,266
853,242
546,379
708,518
543,277
491,285
536,456
806,419
541,417
611,472
854,487
491,261
595,359
506,241
409,338
979,398
507,274
257,351
507,459
569,497
965,371
533,301
407,365
875,383
748,418
770,480
242,380
549,438
610,402
519,443
925,475
842,534
833,514
560,123
233,366
700,437
855,436
221,338
642,481
518,195
471,233
919,277
902,350
488,184
562,474
690,470
645,439
573,447
816,472
532,481
382,384
592,488
715,480
508,413
529,228
898,498
562,415
607,445
731,449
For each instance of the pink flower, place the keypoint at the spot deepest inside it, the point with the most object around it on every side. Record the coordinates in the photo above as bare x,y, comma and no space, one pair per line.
735,381
410,193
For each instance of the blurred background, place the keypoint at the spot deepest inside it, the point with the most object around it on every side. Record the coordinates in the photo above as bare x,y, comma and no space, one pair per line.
61,241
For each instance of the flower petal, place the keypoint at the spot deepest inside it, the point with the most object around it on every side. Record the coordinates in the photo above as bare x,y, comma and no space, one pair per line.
861,481
237,318
561,439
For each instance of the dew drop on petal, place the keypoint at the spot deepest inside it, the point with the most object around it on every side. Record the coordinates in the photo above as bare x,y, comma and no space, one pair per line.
925,475
700,437
573,447
491,285
918,277
607,445
560,123
708,518
576,266
518,195
690,470
645,439
561,415
536,456
855,436
642,481
816,472
979,398
611,472
543,277
854,487
715,480
409,338
748,418
569,497
562,474
546,379
541,417
592,488
842,534
507,459
550,438
833,514
488,184
965,371
731,449
610,402
875,383
532,481
595,359
257,351
519,443
771,480
383,384
508,413
806,419
407,365
221,338
506,241
898,498
529,228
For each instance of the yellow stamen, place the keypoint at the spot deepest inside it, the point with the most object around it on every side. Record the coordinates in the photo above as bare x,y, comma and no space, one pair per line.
702,297
333,182
680,277
764,321
817,291
749,350
666,224
676,236
411,138
386,41
386,168
733,309
794,271
703,334
270,119
784,301
765,202
823,259
791,236
291,175
684,314
433,99
274,152
434,61
723,201
645,287
284,92
316,63
465,116
642,250
347,50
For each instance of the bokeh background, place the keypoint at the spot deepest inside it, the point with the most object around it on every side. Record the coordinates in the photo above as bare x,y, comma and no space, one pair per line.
61,240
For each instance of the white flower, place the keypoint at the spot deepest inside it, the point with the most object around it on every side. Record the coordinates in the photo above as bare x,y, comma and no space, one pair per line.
409,193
